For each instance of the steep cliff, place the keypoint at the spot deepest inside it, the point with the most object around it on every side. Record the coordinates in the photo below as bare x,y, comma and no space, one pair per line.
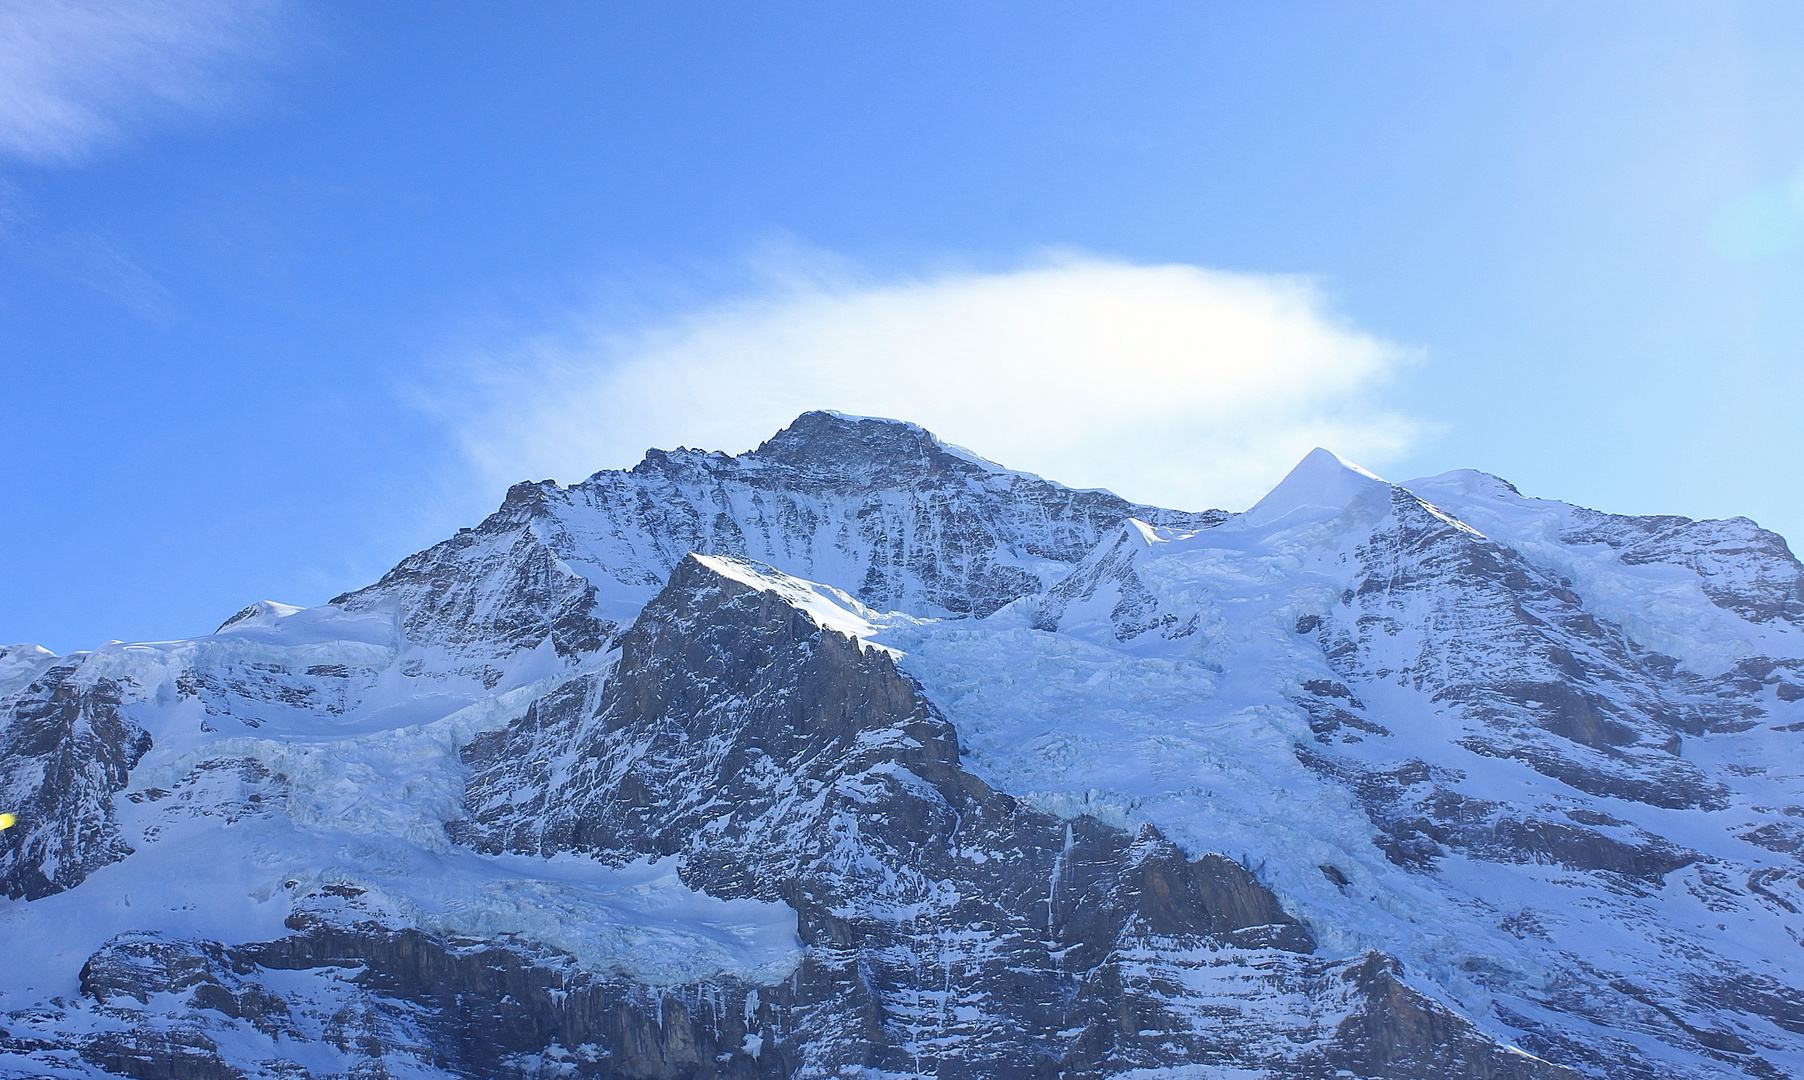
859,755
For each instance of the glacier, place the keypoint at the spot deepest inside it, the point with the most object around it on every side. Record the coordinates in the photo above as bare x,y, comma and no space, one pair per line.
1374,779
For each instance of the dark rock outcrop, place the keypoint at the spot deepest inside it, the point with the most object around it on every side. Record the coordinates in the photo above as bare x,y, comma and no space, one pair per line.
951,929
682,703
1742,567
65,750
1541,679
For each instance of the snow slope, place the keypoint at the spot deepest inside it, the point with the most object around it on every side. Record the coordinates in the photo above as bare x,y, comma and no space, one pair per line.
1546,757
356,795
1323,687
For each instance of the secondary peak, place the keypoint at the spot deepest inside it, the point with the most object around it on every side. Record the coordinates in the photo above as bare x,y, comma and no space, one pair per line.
1323,484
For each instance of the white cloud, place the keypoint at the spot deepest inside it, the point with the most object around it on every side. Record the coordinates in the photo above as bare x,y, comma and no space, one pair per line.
76,74
1170,384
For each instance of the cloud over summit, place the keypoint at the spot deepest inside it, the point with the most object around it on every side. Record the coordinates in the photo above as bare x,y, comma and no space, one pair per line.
1166,383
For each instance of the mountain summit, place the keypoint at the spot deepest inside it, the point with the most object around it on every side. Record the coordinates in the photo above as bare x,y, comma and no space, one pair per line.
859,755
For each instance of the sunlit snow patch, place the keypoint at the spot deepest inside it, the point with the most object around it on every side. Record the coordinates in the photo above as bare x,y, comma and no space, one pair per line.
830,607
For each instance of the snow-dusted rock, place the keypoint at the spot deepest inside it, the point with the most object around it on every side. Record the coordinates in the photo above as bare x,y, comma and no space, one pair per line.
951,930
64,753
883,510
859,755
1561,803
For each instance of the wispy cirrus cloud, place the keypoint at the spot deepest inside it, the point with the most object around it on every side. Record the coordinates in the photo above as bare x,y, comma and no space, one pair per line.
77,75
1167,383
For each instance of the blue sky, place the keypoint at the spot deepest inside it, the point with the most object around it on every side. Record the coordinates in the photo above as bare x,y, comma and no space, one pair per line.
287,292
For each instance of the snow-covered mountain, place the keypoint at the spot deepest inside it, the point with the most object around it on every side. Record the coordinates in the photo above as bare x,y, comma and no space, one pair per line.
858,755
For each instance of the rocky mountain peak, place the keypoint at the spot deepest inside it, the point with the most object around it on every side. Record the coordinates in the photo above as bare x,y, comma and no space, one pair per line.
853,449
828,451
879,508
857,755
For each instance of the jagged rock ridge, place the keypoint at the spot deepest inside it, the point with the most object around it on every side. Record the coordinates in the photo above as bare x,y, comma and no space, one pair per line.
950,930
883,510
556,798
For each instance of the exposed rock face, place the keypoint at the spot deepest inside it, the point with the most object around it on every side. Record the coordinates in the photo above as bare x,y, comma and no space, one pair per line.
64,752
1011,780
951,929
509,592
501,1009
883,510
1407,620
387,999
1543,679
1108,576
1741,566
